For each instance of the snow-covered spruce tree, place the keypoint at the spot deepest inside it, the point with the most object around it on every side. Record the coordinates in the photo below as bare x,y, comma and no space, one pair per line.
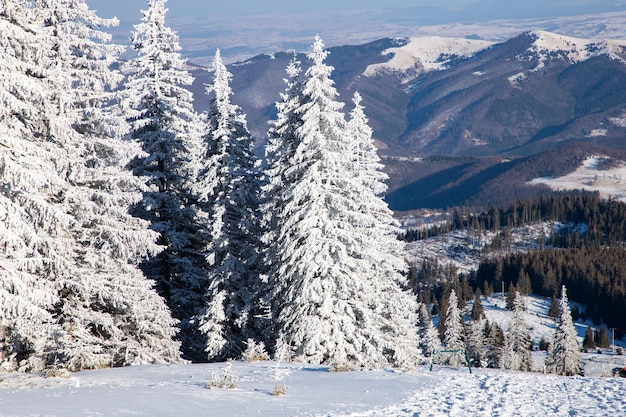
427,334
109,311
160,112
279,151
494,341
476,342
33,224
366,160
564,353
281,144
516,353
454,336
336,291
229,193
73,193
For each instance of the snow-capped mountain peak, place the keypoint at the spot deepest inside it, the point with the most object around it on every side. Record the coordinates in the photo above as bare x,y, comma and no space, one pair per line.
425,53
548,46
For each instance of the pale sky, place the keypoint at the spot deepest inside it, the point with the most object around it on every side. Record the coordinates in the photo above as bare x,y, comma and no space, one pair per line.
125,9
184,8
244,28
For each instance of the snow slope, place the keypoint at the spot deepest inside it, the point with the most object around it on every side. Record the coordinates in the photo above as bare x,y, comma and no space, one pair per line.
549,46
425,53
609,183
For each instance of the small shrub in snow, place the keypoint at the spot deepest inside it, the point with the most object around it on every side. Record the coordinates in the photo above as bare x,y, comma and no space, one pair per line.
57,373
226,380
280,373
255,352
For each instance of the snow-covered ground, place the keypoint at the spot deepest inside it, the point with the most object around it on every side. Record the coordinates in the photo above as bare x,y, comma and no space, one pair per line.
609,183
183,390
426,53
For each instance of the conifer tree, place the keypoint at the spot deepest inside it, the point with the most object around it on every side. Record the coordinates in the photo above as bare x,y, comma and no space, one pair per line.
428,336
454,337
443,314
516,352
476,341
281,146
230,198
105,311
554,311
495,342
337,295
589,341
159,110
109,312
30,256
564,353
478,310
510,296
603,338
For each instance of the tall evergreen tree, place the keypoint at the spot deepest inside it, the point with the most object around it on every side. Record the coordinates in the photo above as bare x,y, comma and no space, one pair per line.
105,311
589,341
454,338
428,336
230,198
162,120
336,291
282,142
516,353
564,353
603,338
554,311
476,341
31,256
478,311
495,343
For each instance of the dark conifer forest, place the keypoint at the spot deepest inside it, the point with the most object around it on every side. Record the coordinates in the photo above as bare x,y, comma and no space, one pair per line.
585,251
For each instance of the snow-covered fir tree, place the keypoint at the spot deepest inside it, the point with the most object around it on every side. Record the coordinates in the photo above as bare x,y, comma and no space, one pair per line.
494,341
281,145
229,194
516,353
337,295
476,341
428,336
366,160
162,119
31,256
110,313
454,336
106,312
564,352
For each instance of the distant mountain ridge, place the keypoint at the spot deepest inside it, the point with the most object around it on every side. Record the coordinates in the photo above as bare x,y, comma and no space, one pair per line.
465,100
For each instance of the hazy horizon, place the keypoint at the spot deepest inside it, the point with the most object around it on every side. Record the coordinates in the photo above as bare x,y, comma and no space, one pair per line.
245,28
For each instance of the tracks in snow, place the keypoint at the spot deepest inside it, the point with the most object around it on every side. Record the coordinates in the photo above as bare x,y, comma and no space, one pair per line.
486,393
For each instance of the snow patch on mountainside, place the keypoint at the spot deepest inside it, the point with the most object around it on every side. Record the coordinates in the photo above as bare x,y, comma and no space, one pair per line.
551,46
425,53
609,183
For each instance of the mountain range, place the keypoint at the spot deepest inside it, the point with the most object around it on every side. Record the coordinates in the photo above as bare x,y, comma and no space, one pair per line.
465,121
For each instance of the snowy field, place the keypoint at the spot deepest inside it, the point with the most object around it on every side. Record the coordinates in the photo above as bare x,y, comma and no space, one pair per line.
609,183
183,390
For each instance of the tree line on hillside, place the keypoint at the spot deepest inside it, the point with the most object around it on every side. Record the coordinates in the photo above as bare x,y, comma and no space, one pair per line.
135,230
604,220
584,251
595,277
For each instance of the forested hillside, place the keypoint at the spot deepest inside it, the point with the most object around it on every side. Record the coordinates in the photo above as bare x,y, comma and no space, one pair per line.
583,249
